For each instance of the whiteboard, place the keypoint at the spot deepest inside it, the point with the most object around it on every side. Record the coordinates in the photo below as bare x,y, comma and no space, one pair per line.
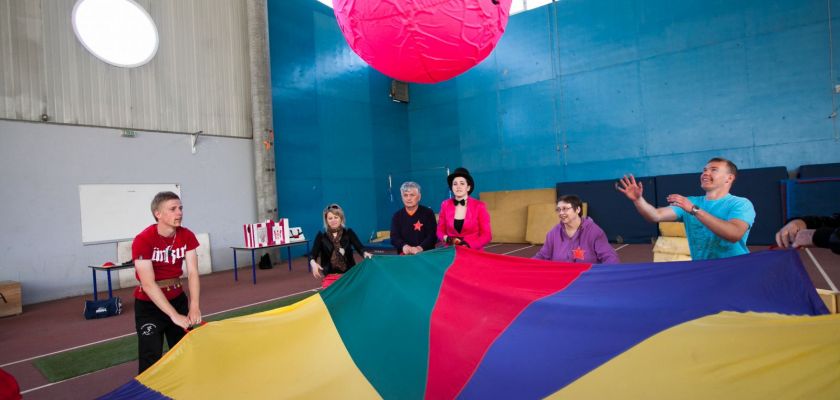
115,212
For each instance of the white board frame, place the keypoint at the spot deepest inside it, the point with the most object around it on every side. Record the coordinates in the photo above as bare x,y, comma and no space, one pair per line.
116,212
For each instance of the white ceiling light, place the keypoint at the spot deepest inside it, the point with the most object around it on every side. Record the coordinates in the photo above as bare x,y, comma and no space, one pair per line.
119,32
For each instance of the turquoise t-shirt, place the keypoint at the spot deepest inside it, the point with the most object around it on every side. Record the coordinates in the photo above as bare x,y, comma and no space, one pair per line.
704,244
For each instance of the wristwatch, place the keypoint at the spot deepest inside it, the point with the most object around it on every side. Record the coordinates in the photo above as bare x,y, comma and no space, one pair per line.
694,209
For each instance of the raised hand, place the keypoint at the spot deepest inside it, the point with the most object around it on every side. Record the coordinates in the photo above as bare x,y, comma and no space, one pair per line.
631,189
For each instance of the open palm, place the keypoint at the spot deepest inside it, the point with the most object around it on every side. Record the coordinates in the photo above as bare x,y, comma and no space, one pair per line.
628,185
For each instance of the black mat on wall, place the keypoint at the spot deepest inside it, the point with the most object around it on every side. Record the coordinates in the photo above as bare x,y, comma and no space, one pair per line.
819,170
815,196
612,211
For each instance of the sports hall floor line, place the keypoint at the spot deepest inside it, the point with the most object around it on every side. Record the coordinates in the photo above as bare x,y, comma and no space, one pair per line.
514,251
67,349
621,247
22,392
132,333
822,271
493,245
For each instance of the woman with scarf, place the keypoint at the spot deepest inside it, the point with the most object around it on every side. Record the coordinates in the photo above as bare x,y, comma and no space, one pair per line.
576,239
334,247
464,221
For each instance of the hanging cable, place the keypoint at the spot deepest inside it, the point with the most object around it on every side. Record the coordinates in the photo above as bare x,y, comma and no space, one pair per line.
390,188
560,146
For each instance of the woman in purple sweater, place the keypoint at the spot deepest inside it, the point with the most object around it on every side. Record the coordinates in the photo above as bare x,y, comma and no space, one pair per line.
576,239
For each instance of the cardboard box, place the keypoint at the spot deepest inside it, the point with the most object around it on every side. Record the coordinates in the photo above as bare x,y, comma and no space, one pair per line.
10,302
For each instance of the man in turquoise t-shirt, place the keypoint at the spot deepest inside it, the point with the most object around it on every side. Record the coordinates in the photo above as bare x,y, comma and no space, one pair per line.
717,224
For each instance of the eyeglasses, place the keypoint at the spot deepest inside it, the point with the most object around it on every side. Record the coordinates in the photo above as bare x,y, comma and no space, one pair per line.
564,209
333,207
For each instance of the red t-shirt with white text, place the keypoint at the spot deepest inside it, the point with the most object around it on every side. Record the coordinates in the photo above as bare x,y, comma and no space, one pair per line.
167,255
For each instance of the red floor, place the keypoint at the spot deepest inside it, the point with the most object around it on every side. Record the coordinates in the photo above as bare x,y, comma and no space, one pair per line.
58,325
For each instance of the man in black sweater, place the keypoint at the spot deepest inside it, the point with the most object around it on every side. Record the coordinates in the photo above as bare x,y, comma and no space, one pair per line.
413,227
811,231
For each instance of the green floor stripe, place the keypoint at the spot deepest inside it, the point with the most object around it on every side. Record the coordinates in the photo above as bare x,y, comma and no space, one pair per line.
93,358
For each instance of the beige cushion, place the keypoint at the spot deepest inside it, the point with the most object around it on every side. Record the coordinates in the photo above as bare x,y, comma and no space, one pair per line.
541,218
508,226
831,300
672,229
509,212
672,245
663,257
381,236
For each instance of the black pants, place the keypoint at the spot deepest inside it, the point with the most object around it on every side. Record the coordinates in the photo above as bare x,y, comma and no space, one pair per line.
152,325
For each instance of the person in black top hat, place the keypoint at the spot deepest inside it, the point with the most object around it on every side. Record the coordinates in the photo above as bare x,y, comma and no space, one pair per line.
464,221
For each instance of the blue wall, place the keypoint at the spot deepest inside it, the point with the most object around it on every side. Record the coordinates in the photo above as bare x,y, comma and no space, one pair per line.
337,133
584,90
578,90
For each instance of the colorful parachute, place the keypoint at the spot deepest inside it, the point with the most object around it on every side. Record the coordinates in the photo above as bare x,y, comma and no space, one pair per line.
457,323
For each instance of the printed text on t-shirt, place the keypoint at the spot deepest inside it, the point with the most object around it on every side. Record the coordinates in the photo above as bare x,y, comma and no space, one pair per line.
169,255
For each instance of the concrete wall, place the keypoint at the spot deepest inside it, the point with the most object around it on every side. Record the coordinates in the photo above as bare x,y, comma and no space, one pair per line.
585,90
41,166
338,135
198,80
575,91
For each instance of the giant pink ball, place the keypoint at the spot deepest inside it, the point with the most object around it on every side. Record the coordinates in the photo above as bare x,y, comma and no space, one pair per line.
422,41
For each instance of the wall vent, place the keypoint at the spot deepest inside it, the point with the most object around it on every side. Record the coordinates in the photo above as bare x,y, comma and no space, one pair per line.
399,91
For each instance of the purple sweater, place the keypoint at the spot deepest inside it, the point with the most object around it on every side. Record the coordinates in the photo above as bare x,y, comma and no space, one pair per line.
589,245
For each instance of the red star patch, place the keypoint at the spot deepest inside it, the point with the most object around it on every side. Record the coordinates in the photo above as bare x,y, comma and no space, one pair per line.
418,226
578,253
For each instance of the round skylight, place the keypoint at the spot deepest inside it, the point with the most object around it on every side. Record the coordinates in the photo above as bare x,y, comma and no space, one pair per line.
119,32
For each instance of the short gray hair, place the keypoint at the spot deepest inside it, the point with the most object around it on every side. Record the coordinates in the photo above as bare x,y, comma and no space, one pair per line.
406,186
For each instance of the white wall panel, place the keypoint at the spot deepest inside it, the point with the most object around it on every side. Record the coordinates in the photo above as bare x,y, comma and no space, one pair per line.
43,165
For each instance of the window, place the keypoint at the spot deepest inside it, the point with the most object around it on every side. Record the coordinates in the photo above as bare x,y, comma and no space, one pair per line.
119,32
518,6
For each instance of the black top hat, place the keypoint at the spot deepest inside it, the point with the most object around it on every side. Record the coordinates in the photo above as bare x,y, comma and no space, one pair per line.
462,172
